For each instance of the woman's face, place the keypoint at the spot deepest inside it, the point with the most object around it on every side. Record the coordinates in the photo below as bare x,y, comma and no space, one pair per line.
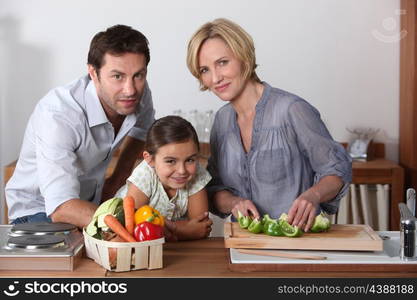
220,70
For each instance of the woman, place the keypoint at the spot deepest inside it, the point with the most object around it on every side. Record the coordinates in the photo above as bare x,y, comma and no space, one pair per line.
270,151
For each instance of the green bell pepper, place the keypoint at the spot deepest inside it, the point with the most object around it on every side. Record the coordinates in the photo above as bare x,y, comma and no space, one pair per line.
266,219
244,221
255,226
321,223
273,228
265,222
288,229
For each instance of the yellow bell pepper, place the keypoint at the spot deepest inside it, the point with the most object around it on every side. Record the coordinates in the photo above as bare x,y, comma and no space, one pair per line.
148,214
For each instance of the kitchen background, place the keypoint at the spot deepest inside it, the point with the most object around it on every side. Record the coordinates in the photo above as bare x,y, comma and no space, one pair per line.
342,56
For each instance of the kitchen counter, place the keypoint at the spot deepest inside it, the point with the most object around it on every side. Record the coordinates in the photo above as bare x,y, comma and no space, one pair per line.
197,259
86,268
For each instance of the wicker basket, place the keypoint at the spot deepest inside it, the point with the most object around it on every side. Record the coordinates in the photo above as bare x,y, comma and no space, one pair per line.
130,256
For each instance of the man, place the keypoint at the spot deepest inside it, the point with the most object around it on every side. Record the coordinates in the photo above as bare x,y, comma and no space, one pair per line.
74,130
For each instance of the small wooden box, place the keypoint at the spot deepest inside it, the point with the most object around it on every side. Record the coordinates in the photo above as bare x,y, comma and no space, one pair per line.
130,256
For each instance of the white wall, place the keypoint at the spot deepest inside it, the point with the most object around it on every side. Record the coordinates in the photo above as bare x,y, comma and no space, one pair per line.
342,56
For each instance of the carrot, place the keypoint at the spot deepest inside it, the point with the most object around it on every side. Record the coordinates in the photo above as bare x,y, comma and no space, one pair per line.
118,228
129,210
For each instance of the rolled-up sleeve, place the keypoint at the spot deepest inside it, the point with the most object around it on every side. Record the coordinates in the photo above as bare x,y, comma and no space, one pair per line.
326,156
145,117
57,171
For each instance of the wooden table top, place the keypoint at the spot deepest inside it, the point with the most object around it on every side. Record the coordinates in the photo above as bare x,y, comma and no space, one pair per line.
86,268
192,259
209,259
378,163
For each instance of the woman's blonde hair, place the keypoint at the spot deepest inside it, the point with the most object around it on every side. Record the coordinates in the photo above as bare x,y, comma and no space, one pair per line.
235,37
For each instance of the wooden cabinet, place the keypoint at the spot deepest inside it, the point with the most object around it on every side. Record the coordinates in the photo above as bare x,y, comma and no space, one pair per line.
408,92
382,171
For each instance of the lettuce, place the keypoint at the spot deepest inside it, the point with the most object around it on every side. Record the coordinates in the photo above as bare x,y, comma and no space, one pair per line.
97,227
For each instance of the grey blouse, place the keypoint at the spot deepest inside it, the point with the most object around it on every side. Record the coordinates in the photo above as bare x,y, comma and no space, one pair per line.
291,150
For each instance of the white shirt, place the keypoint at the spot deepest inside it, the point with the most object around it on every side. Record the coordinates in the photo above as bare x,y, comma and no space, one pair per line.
67,147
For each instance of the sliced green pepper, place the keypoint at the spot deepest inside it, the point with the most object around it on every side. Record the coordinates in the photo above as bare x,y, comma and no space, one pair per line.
287,228
255,226
321,223
273,228
265,222
244,221
283,216
266,219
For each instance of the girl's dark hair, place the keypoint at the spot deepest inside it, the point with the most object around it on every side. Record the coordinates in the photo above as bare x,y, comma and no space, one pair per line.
167,130
116,40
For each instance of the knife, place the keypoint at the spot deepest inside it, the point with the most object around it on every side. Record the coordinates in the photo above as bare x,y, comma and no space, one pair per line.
281,254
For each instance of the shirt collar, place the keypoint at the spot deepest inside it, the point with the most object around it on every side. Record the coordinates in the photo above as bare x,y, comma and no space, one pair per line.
94,109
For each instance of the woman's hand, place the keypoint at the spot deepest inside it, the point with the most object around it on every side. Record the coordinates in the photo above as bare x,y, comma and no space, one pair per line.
228,203
303,210
245,206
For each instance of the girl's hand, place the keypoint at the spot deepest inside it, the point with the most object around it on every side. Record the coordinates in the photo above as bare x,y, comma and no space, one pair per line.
200,227
303,210
196,228
245,206
169,231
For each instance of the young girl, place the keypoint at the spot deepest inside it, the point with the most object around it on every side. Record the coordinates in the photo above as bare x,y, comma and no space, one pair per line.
171,180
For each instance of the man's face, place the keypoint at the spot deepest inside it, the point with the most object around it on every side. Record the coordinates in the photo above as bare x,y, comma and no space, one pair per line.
120,83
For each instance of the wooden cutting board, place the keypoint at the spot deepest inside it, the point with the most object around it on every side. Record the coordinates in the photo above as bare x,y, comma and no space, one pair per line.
339,237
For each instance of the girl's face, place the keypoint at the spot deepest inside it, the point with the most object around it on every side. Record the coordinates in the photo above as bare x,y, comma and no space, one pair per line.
175,164
220,70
